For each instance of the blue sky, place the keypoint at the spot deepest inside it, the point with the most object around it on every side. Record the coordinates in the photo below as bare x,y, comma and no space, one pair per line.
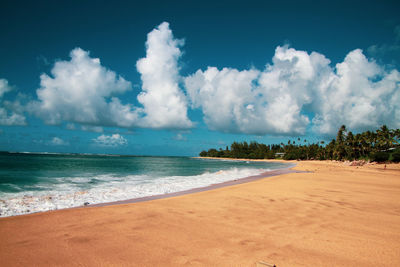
160,78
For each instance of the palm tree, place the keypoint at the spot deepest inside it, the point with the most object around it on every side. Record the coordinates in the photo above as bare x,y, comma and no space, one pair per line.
341,134
350,146
346,145
340,152
384,138
370,140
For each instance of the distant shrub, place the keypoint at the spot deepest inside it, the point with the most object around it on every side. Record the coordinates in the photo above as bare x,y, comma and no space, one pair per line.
396,156
380,156
292,155
203,154
269,155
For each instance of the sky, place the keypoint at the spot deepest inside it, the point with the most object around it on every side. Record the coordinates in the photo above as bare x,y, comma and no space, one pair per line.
178,77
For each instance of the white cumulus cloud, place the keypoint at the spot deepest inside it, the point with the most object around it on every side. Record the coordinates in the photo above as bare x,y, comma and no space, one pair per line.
259,102
163,101
83,91
297,89
360,94
296,92
110,140
226,97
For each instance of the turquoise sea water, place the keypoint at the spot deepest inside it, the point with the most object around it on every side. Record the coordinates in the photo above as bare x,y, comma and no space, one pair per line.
39,182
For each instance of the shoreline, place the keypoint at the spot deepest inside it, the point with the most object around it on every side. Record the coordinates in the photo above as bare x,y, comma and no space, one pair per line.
274,172
263,175
281,171
330,214
256,160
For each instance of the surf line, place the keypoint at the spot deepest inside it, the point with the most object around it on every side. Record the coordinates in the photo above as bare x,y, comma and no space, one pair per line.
200,189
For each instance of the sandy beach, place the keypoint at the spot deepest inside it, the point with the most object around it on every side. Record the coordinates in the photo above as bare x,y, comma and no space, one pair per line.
331,215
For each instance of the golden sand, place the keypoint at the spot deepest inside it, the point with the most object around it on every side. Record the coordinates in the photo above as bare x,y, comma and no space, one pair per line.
336,215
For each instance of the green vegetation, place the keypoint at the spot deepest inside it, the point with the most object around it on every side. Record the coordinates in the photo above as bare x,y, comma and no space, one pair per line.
380,146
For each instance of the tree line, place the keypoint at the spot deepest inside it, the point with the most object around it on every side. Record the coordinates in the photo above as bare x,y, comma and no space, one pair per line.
381,145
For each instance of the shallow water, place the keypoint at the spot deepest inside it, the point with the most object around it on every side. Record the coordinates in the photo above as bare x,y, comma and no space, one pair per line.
40,182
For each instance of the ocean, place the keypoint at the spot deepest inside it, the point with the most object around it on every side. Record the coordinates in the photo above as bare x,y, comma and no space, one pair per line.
40,182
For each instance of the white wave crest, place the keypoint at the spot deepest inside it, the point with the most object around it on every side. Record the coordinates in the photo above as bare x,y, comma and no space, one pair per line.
76,191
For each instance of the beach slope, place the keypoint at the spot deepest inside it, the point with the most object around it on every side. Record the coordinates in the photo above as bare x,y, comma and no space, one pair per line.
334,215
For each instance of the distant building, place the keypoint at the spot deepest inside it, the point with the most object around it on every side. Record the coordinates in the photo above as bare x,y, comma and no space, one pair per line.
279,155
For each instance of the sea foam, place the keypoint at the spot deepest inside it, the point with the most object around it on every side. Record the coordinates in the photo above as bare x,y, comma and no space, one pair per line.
71,192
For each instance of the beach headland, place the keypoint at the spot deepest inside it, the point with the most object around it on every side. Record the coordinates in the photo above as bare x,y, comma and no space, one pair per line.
332,214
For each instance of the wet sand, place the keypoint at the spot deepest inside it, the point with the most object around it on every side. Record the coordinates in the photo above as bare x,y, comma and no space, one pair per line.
334,215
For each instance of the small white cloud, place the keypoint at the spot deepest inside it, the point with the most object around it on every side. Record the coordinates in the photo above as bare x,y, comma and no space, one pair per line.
43,60
379,51
110,140
163,101
4,87
11,118
11,112
389,51
96,129
70,126
180,137
56,141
